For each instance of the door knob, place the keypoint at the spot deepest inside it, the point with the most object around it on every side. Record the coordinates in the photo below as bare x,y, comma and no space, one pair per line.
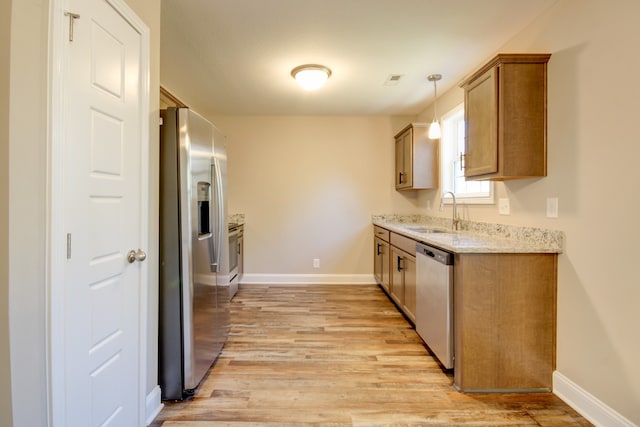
138,255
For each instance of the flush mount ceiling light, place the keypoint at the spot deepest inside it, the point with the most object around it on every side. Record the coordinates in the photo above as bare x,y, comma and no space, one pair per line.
434,129
311,76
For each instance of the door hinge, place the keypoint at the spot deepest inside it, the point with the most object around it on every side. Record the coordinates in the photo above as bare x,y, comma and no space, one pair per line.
68,245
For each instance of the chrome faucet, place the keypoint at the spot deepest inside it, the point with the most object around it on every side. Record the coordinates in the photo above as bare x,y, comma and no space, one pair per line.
454,220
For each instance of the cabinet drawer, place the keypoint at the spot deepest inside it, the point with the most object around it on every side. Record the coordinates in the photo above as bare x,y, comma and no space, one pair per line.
381,233
406,244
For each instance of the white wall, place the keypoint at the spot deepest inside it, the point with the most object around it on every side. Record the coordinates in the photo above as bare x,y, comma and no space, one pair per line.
593,150
308,186
5,367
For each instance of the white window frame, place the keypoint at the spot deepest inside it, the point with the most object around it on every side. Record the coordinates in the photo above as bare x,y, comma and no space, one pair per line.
450,161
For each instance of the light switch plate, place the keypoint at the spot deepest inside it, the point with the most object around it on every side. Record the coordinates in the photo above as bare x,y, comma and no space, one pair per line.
552,207
504,207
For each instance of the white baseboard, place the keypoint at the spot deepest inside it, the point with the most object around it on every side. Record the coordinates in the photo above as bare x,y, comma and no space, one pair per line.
586,404
154,404
307,279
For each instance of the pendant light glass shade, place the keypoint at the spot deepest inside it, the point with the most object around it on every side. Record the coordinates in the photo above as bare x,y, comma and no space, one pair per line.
311,76
434,129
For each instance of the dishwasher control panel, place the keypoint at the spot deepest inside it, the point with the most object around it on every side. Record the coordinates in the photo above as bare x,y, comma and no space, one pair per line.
443,257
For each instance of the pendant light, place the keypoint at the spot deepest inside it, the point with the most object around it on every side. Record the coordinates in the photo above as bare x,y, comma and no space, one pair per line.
434,129
311,76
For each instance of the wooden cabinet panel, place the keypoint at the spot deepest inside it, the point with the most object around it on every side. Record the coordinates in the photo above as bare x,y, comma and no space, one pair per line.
380,232
416,159
409,306
403,274
396,287
506,118
505,321
405,243
482,120
382,256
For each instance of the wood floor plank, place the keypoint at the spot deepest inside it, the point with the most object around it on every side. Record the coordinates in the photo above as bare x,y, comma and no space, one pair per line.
340,356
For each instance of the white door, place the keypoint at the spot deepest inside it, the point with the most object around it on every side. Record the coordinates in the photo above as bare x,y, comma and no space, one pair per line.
103,206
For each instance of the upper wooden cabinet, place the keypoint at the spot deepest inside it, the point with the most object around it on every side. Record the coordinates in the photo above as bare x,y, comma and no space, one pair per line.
506,118
416,158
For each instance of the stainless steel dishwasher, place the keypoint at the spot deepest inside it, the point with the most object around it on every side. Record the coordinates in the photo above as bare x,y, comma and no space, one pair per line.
434,301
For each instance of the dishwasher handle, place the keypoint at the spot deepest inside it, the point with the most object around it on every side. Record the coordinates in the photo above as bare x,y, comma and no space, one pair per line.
437,254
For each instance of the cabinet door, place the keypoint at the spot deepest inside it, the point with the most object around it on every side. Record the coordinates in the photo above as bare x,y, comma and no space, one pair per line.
397,276
481,121
404,160
410,287
407,153
385,265
377,259
381,262
240,255
399,162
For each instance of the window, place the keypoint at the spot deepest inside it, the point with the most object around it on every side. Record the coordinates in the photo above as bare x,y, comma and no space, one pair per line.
452,146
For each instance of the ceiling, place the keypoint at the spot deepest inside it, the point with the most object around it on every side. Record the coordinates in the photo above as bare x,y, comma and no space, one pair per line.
234,57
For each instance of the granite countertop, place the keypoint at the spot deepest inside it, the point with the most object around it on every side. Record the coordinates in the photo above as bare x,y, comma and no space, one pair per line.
236,218
474,237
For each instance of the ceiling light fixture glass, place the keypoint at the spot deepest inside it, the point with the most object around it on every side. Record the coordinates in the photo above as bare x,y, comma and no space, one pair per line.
434,129
311,76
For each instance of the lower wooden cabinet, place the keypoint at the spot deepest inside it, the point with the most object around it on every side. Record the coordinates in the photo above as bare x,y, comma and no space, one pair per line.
381,260
394,268
403,281
396,288
505,321
504,312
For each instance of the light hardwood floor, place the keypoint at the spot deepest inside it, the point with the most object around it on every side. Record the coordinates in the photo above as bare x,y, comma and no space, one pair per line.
340,356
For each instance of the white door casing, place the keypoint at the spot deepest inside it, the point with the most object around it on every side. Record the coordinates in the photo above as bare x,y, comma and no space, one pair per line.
98,212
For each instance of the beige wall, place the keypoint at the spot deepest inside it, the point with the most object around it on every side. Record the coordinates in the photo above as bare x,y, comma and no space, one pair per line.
27,210
593,149
5,367
27,162
308,187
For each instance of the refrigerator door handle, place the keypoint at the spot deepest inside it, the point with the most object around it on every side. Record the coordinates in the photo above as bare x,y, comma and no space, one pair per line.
216,207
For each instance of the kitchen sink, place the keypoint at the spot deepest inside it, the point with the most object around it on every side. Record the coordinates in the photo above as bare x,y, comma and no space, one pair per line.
422,229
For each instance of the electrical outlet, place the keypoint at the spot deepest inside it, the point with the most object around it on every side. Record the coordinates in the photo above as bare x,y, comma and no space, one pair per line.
504,207
316,263
552,207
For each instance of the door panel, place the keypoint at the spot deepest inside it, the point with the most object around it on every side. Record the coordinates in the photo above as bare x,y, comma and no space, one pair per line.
102,215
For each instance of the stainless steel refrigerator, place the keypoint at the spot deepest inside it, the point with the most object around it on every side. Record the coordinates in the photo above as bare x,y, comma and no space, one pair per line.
194,251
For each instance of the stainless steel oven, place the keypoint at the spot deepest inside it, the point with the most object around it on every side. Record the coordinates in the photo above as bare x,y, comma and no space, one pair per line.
235,240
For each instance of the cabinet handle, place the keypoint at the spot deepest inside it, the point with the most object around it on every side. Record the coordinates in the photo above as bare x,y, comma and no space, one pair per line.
378,249
400,178
462,157
399,263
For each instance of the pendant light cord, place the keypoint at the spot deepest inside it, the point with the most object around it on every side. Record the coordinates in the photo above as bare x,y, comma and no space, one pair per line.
435,100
